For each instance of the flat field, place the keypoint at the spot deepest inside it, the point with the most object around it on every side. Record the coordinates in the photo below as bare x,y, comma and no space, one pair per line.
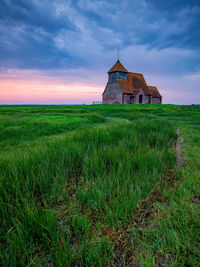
100,185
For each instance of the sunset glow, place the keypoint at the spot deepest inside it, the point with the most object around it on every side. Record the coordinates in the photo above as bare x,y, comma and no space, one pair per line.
32,88
40,92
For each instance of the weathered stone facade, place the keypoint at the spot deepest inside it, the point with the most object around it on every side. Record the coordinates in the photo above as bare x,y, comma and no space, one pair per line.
125,87
156,100
112,94
144,99
115,76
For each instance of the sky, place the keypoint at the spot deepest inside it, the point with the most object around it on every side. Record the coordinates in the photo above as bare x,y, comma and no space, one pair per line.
59,51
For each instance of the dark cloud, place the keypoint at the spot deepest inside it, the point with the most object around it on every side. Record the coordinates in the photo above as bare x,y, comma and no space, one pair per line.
43,34
27,31
151,22
171,6
35,13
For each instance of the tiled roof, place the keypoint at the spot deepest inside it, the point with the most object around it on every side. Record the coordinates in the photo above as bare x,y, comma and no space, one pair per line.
125,87
135,82
154,91
118,67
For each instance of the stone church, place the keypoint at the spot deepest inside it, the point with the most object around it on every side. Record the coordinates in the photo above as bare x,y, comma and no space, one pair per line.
125,87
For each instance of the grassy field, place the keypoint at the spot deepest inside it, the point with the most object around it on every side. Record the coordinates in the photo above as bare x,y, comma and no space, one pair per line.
100,185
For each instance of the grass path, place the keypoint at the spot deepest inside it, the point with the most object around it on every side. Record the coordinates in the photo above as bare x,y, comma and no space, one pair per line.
137,243
122,238
178,148
168,219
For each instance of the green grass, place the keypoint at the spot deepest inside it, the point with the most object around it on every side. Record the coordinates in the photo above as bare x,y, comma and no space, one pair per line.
98,185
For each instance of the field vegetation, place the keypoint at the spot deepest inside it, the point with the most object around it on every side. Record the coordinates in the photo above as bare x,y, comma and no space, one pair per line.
100,185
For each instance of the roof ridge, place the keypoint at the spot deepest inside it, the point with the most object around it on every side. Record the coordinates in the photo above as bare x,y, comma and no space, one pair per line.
154,91
135,73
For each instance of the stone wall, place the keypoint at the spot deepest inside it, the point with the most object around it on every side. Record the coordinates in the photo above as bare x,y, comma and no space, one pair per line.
112,94
118,75
127,99
136,98
156,100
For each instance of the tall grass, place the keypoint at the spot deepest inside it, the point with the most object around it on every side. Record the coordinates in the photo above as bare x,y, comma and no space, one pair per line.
56,197
172,237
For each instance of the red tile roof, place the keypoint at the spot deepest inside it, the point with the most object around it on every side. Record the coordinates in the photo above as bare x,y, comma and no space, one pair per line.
118,67
154,91
126,89
135,82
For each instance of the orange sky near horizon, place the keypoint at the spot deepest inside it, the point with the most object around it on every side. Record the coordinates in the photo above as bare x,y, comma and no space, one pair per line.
47,92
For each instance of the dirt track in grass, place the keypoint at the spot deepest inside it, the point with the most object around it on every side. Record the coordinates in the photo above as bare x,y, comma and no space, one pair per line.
145,212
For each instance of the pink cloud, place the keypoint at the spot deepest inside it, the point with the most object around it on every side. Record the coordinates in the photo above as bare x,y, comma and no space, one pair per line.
15,89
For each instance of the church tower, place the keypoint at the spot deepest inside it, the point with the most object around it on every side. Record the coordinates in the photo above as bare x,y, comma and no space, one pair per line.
117,72
112,93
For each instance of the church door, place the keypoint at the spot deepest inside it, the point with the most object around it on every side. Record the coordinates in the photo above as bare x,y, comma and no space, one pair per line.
132,99
140,99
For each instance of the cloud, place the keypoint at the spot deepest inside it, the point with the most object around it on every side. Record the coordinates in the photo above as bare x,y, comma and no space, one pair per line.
43,34
65,40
